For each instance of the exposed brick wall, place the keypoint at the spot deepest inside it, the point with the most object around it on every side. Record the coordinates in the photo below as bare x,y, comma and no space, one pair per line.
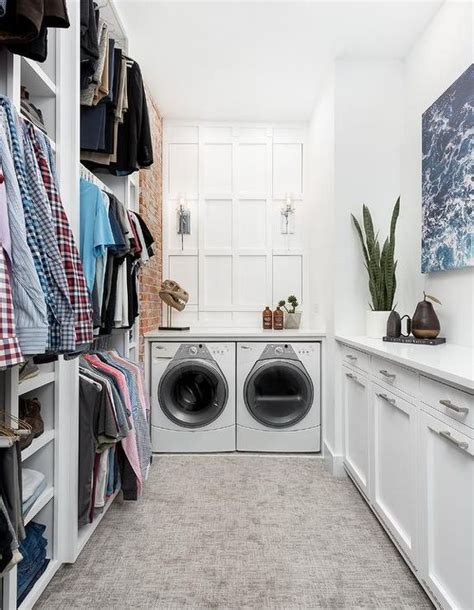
151,199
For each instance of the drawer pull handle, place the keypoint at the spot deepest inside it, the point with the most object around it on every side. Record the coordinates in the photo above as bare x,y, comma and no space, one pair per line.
355,378
447,435
385,373
351,357
449,405
391,401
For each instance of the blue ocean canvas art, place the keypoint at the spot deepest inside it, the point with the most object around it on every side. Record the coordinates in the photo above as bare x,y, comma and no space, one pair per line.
448,178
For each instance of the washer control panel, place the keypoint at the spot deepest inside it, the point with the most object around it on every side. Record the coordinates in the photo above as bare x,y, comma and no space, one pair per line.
219,349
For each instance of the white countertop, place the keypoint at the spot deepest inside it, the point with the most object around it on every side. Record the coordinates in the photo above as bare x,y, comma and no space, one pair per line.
452,363
257,334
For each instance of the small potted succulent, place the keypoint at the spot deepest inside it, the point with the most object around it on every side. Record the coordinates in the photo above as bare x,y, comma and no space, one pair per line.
292,317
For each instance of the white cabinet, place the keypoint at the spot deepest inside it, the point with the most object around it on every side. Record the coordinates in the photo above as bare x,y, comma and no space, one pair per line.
446,516
356,427
409,446
393,492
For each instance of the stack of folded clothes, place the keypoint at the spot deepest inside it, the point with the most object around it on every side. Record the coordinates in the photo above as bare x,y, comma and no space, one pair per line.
33,549
34,483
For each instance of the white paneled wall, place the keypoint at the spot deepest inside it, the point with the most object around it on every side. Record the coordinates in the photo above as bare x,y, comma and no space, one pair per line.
234,178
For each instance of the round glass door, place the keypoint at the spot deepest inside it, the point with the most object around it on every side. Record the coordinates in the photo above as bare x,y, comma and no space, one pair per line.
193,393
278,393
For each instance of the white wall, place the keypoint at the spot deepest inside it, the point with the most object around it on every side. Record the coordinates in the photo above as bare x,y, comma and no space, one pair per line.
368,127
354,156
234,178
321,220
440,56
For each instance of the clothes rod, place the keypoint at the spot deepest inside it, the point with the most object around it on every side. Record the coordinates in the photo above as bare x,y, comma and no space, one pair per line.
88,176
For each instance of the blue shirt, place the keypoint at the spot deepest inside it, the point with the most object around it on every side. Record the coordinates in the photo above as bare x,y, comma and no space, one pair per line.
96,233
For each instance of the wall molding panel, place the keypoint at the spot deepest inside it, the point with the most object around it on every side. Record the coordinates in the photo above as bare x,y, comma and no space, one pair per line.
234,178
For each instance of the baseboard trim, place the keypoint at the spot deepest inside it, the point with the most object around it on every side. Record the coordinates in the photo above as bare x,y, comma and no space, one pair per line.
333,462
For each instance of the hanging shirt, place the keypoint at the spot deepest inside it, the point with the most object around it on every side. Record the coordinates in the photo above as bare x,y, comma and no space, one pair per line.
96,233
29,304
41,236
67,246
62,336
10,352
5,238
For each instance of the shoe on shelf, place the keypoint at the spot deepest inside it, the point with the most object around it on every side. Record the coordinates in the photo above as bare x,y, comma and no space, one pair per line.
30,412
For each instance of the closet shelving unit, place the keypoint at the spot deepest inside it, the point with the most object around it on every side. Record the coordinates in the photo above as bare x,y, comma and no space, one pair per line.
49,453
54,87
126,189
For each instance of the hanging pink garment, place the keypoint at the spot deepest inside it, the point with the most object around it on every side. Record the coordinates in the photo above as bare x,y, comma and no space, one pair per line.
129,443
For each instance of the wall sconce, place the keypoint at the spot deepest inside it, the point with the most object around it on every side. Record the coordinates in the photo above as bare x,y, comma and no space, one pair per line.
287,216
183,220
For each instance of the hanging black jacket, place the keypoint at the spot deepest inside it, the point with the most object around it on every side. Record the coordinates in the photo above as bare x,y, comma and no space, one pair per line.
134,149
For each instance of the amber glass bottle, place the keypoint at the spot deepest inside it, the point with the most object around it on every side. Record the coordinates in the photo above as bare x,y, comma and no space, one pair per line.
267,318
278,319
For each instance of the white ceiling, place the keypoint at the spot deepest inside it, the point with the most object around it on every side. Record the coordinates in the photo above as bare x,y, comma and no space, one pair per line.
260,60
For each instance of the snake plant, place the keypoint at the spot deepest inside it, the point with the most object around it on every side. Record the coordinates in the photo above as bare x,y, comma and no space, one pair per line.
380,264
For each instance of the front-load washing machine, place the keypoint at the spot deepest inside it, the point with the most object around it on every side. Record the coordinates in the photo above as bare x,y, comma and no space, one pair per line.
193,397
278,397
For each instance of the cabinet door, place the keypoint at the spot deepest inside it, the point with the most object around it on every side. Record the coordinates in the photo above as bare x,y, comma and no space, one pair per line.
393,492
356,427
447,512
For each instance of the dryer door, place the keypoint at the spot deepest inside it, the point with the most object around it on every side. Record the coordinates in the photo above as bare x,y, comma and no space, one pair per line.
278,393
193,393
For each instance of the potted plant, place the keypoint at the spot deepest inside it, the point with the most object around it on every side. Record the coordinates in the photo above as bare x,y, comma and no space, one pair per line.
381,269
292,317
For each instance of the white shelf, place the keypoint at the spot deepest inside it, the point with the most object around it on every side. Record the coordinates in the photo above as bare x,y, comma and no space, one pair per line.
86,531
37,444
44,498
34,383
40,585
35,79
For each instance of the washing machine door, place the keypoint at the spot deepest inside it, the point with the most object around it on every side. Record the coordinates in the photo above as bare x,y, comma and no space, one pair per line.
193,393
278,393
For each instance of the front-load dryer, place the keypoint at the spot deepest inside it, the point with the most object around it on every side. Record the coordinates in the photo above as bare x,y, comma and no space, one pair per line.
193,397
278,397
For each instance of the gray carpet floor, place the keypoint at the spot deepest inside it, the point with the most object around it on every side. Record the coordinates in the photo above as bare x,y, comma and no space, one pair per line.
238,532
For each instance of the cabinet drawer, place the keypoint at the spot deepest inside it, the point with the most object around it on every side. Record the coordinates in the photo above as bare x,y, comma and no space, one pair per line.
355,358
447,506
396,376
452,402
394,427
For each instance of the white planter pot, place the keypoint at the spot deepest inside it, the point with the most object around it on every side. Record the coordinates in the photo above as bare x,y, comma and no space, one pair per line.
292,320
376,324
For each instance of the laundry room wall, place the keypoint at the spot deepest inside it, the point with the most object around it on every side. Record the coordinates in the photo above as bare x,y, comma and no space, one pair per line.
233,178
443,52
354,148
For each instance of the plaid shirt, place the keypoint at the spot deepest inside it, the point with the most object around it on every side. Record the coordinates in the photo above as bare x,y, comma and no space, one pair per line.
41,236
10,352
78,292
